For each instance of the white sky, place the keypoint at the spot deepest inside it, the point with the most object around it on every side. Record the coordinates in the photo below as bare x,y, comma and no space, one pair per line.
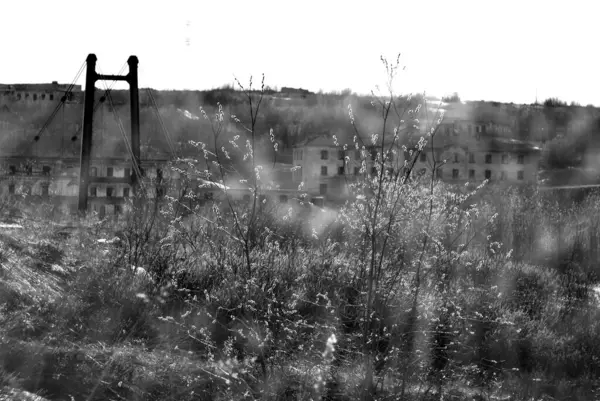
503,50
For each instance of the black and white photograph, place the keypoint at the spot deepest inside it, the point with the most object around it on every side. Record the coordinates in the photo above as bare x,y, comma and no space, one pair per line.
332,200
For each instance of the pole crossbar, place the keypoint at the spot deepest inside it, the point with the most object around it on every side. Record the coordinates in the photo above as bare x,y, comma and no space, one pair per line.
112,78
88,111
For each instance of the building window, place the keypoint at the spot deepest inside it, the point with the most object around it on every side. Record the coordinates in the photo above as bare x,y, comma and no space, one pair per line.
109,171
117,209
341,170
127,173
502,175
456,158
43,96
159,174
297,173
356,170
447,130
341,155
300,154
26,95
93,172
323,170
29,169
423,157
455,173
488,159
471,158
483,129
283,199
125,192
324,155
520,174
19,96
504,159
45,189
35,96
11,188
46,170
93,191
471,174
322,189
109,192
12,170
488,174
440,173
521,159
51,96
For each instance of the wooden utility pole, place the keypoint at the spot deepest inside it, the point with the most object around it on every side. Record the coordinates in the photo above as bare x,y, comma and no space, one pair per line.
88,111
86,140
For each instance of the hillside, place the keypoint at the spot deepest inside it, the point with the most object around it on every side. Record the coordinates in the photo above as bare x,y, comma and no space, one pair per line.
292,117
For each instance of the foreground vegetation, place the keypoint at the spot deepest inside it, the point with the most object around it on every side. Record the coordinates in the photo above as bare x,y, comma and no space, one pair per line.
78,321
412,290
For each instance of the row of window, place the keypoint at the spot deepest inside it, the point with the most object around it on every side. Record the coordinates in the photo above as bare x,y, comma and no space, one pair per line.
35,96
110,172
101,209
479,129
342,154
423,157
341,170
488,158
487,174
27,190
110,192
12,170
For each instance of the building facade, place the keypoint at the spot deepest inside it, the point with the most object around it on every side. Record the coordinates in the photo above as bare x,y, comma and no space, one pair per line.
466,151
460,150
325,169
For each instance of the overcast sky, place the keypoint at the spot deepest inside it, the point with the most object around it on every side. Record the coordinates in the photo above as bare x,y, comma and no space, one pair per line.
502,50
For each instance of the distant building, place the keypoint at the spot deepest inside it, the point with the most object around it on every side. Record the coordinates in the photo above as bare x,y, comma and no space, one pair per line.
36,94
295,91
326,170
463,150
477,143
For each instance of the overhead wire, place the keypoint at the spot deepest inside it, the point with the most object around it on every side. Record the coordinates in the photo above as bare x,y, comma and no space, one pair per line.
122,130
102,98
63,99
106,92
166,133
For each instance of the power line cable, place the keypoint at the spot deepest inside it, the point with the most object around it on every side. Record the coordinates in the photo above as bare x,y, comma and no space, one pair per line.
166,133
63,99
128,146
